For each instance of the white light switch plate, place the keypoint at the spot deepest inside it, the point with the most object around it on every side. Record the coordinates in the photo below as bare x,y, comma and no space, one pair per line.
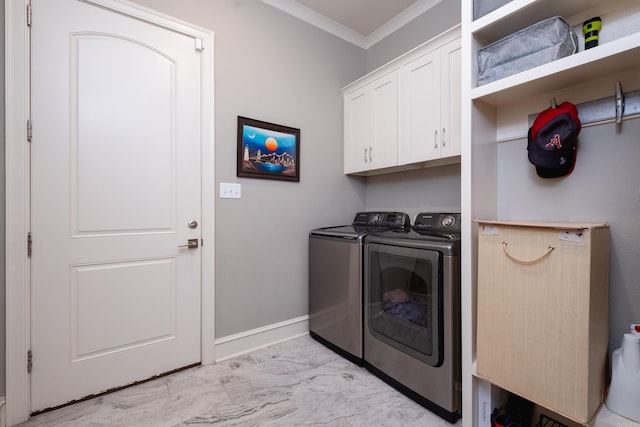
229,190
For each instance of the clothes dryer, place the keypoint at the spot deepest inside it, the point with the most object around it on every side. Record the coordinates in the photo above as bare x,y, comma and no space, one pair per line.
412,311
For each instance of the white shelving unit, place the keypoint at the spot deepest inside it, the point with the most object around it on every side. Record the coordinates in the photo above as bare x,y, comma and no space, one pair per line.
497,112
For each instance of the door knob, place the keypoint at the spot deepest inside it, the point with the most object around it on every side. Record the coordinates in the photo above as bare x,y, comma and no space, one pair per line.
191,244
192,224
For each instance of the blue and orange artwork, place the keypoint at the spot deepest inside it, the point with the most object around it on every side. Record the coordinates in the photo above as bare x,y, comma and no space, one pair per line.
268,151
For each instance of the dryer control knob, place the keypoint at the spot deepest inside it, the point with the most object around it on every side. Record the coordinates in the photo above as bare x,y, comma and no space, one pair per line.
448,221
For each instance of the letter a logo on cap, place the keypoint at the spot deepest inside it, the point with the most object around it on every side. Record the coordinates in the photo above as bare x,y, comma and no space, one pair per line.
555,142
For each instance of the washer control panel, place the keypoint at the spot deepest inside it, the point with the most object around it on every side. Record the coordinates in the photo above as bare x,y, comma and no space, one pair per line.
389,220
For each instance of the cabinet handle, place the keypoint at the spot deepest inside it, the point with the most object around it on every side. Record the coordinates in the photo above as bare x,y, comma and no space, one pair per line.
435,139
444,139
370,152
526,261
365,155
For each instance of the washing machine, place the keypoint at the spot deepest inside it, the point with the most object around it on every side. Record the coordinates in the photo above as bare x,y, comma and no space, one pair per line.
336,280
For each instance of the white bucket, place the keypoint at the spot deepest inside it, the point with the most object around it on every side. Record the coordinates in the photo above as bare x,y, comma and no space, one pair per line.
624,392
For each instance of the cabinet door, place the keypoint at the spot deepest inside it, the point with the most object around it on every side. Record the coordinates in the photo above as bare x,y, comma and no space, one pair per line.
451,99
420,130
357,108
383,144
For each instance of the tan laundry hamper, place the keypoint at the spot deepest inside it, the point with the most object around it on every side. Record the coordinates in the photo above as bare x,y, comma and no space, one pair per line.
542,326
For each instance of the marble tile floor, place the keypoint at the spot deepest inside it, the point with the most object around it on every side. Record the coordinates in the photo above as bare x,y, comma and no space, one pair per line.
298,382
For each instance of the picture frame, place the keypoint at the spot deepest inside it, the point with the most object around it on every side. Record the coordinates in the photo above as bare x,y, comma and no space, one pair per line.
268,150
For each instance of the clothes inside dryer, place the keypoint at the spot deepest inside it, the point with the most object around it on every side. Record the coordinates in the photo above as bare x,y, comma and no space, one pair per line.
404,289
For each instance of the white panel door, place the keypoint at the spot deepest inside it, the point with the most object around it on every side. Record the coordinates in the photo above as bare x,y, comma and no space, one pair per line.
450,73
421,132
115,178
357,119
383,151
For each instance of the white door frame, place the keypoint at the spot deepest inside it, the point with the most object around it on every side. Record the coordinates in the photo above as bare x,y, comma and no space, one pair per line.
17,175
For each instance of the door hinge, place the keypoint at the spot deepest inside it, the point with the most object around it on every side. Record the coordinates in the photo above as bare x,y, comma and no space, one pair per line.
29,361
199,44
29,130
29,15
29,244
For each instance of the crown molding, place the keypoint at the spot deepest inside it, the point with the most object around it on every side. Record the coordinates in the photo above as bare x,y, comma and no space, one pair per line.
311,17
399,21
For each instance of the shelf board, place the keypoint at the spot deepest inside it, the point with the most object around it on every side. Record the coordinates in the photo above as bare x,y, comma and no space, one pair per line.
616,56
519,14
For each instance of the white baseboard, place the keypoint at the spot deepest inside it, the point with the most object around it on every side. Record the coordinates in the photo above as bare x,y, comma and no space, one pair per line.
3,416
244,342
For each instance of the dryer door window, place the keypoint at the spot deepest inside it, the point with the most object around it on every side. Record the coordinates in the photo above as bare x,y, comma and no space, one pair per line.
405,300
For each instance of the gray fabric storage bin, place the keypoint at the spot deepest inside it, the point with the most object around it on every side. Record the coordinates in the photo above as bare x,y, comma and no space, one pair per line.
538,44
482,7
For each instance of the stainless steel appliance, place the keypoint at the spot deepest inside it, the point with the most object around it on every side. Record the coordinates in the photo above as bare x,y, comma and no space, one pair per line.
412,311
335,280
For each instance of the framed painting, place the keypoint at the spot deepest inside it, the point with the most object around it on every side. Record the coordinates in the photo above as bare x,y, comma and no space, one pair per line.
267,150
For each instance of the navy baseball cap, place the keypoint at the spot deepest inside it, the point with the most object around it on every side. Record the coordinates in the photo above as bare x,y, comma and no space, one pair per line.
553,141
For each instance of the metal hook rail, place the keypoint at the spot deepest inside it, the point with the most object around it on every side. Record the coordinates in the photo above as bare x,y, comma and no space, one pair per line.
606,109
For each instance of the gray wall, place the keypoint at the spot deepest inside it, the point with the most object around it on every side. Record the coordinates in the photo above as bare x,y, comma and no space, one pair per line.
273,67
436,20
433,189
604,186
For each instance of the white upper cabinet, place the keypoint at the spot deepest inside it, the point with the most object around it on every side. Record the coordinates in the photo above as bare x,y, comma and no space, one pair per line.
406,112
371,125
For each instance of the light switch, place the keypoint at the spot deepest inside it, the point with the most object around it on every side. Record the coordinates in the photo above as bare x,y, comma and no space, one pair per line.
229,190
